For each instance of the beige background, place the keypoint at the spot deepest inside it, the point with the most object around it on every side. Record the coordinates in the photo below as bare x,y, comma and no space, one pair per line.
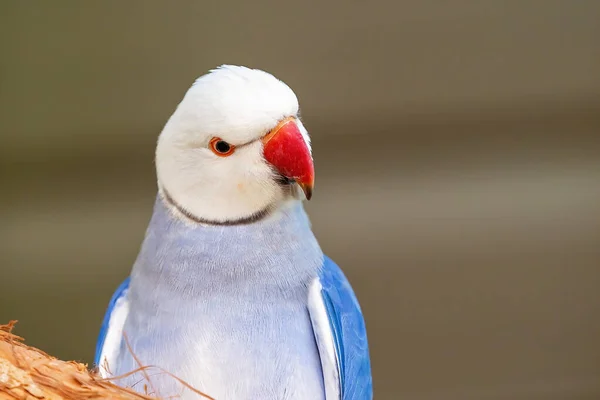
457,151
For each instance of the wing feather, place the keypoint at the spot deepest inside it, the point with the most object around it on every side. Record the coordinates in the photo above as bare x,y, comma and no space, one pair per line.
339,327
111,331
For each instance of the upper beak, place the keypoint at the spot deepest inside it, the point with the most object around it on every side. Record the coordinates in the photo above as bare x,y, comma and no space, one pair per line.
286,150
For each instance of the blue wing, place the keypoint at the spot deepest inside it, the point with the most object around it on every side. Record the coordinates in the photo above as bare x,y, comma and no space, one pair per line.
341,336
111,330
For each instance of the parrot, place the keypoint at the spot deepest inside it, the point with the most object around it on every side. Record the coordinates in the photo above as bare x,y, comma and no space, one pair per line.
230,295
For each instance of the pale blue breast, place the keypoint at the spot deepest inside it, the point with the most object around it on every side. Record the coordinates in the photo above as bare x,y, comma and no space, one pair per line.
224,307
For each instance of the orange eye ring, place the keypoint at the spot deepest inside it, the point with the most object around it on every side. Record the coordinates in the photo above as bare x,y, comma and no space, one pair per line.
221,147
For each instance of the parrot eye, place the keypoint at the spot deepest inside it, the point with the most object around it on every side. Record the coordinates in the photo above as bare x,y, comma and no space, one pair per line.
221,147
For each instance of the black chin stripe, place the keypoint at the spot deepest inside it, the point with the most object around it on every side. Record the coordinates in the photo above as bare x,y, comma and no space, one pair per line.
242,221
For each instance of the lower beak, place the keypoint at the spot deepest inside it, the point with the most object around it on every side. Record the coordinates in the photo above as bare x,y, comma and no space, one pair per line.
287,151
307,188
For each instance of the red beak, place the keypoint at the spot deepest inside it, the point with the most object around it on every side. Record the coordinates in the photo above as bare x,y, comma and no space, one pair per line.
287,151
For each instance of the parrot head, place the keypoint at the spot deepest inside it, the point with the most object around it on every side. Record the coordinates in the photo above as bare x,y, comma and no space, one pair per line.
234,149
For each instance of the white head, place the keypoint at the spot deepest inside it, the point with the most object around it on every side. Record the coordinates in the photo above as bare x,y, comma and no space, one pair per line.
234,149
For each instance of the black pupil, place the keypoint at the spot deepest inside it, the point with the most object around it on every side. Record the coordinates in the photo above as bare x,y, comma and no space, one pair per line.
222,147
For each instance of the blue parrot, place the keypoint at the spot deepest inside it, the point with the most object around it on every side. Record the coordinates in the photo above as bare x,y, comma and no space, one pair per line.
230,292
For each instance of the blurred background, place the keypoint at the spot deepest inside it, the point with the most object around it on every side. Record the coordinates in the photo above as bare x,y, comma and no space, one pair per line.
457,147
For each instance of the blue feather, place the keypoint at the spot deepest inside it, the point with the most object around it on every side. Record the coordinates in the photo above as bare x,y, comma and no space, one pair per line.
106,321
349,333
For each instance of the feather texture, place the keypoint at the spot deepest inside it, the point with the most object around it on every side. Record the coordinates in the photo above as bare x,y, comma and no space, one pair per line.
343,332
224,308
111,330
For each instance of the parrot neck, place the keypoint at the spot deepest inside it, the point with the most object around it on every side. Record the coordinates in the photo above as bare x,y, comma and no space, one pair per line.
276,256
